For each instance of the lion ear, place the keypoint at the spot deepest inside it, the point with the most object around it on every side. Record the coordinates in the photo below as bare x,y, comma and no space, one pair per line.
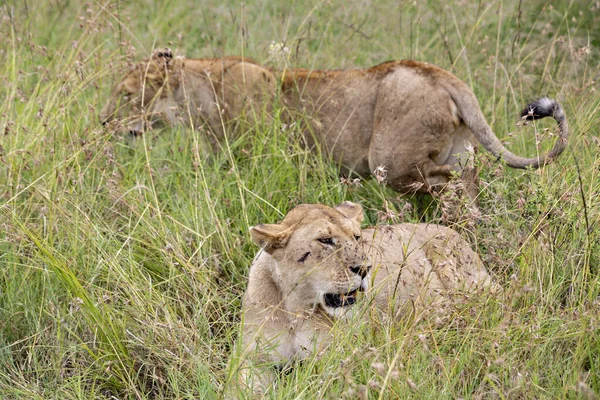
270,236
352,211
163,57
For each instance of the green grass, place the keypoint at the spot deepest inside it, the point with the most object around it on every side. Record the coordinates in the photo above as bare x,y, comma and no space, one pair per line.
123,262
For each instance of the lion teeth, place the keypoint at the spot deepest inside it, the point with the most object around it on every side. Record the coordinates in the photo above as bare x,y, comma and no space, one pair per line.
336,300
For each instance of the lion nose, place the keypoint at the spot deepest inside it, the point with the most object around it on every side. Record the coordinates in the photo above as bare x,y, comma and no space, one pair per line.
361,270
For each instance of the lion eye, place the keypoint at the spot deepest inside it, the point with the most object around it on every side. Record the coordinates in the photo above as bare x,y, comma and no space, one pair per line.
357,237
326,240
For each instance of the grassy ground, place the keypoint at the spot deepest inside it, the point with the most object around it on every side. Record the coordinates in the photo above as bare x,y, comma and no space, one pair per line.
122,262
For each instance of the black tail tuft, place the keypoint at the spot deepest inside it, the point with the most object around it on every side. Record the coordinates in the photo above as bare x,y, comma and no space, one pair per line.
540,108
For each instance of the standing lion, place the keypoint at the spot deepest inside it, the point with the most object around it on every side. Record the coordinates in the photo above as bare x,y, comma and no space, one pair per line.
416,120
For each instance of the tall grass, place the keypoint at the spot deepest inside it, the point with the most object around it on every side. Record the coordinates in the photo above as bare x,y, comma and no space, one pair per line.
123,262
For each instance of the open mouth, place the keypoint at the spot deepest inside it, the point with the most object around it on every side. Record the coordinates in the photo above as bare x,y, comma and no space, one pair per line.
336,300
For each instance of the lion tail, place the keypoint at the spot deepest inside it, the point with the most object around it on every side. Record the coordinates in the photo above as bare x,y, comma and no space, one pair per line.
470,112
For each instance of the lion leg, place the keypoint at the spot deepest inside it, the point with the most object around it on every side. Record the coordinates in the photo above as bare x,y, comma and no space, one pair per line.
259,379
462,158
470,178
436,177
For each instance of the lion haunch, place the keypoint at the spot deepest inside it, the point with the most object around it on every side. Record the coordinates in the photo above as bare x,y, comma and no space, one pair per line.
413,118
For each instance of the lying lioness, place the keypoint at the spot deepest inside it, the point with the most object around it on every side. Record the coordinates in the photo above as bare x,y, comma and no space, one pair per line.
313,267
416,120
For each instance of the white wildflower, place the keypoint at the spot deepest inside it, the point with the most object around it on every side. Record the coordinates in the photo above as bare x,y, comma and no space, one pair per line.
279,54
380,173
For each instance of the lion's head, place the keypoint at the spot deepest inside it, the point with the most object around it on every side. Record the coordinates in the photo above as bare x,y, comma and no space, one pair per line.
320,261
134,98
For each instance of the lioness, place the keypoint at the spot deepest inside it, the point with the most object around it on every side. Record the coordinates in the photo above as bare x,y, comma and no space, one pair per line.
414,119
313,266
214,91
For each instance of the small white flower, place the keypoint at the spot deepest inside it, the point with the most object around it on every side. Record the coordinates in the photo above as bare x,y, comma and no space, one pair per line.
279,54
350,181
470,152
380,173
469,147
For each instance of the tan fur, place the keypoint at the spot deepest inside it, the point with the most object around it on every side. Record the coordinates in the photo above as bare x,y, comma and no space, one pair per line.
415,119
211,91
318,250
